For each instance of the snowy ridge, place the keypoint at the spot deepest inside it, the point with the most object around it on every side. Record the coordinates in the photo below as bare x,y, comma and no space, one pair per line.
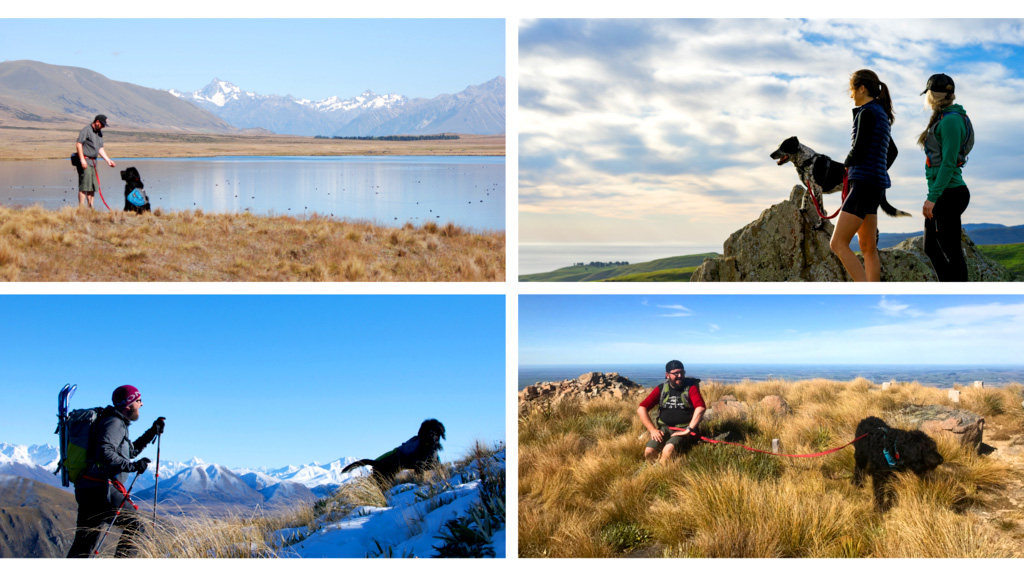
219,93
414,524
43,455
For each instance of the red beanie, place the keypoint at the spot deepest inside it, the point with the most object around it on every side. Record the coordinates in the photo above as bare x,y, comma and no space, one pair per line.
125,395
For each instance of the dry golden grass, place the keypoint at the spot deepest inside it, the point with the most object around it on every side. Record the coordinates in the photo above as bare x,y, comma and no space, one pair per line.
585,490
83,245
40,144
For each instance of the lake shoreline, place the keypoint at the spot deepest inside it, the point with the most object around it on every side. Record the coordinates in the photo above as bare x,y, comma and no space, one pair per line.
21,143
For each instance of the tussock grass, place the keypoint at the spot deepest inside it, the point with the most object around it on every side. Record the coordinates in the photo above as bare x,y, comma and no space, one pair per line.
83,245
585,490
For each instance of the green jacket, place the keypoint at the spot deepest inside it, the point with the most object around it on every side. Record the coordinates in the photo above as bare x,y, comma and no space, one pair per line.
951,132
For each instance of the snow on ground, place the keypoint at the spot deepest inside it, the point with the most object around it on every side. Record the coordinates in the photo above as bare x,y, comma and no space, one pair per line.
410,526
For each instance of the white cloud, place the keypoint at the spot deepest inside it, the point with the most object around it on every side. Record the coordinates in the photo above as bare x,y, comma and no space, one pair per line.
666,137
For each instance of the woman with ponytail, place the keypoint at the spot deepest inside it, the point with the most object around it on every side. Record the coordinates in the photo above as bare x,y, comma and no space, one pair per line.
871,154
946,142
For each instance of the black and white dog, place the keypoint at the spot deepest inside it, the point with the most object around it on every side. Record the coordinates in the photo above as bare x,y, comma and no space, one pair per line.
135,198
417,453
820,173
885,451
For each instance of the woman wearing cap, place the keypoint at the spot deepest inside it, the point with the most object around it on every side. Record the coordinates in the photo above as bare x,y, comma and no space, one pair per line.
946,142
871,153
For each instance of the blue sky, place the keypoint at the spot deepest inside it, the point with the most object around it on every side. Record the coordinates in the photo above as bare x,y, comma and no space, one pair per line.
262,380
659,131
778,329
307,58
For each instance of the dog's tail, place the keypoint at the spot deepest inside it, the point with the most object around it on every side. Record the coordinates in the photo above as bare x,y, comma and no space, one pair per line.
890,210
357,464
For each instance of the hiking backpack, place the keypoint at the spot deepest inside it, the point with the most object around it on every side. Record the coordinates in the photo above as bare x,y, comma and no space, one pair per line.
932,142
73,430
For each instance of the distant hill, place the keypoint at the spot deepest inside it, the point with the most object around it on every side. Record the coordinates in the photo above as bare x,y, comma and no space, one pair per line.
599,273
36,520
980,234
1005,244
38,94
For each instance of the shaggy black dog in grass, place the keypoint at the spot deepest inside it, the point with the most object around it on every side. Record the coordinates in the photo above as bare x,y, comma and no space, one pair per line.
887,450
418,453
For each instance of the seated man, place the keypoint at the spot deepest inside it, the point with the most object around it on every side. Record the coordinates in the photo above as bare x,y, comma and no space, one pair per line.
679,404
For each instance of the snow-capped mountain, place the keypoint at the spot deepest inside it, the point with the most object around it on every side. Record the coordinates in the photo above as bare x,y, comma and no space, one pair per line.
36,462
212,485
476,110
40,455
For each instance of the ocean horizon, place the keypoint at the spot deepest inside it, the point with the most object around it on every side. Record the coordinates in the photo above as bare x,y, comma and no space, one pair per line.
651,374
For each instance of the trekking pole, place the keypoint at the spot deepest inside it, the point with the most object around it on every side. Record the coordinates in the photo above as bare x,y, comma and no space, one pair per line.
156,473
127,498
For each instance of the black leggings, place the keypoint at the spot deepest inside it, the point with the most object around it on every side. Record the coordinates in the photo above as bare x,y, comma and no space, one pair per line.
942,235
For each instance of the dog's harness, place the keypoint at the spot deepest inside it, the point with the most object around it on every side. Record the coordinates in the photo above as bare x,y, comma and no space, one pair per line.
893,462
846,192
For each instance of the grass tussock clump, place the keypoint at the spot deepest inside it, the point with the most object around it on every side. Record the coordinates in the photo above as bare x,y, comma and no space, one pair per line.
586,491
83,245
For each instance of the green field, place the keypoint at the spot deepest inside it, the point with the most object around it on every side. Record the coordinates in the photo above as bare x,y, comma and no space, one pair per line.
1009,255
680,268
674,269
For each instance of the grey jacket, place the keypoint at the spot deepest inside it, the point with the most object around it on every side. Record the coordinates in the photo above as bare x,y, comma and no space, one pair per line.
110,450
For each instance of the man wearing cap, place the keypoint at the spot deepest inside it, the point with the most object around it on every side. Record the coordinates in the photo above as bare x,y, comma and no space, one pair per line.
89,147
109,462
680,405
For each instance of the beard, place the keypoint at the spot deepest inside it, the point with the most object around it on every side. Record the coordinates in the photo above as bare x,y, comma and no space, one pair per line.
133,414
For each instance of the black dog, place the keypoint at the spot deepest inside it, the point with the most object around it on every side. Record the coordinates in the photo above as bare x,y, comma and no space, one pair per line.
133,183
821,174
887,450
418,453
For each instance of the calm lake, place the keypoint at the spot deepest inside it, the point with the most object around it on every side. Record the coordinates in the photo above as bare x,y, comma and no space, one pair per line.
389,190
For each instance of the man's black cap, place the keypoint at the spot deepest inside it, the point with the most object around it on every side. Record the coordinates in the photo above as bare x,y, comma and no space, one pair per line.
939,83
674,365
101,118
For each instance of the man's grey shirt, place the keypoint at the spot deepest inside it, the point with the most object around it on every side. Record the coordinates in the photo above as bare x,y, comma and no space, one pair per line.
91,142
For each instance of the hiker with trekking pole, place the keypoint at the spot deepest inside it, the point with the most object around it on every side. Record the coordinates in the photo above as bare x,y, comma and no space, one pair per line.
100,476
88,148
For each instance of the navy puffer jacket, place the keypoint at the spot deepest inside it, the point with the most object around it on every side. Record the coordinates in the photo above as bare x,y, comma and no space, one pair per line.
869,157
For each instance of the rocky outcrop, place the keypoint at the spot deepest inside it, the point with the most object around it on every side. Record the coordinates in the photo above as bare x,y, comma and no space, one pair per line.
935,420
790,243
587,386
728,408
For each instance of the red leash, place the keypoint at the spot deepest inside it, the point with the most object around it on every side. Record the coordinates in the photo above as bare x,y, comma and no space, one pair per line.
95,170
713,441
846,192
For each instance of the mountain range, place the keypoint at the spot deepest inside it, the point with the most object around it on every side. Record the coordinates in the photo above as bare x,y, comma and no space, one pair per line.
35,94
476,110
195,482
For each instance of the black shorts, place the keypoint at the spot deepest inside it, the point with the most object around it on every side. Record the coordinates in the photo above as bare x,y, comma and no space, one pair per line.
682,443
863,199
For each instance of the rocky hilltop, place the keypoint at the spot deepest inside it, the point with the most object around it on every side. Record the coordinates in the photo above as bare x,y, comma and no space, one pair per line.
587,386
790,243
